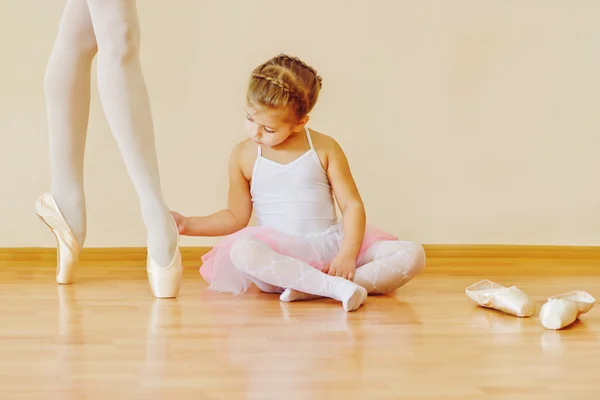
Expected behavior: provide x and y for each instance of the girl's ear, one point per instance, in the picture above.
(301, 123)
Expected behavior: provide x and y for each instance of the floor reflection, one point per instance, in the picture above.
(308, 345)
(65, 376)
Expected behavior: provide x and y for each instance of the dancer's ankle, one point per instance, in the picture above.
(72, 206)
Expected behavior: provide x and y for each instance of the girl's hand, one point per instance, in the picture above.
(182, 223)
(342, 265)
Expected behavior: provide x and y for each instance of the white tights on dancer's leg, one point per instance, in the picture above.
(255, 258)
(126, 104)
(385, 267)
(67, 87)
(124, 98)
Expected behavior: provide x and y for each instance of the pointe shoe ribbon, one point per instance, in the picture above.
(562, 310)
(165, 282)
(510, 300)
(68, 250)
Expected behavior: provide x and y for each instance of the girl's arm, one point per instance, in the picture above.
(349, 201)
(230, 220)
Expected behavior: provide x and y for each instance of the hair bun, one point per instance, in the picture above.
(285, 82)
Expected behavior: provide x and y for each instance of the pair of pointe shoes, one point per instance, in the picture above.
(165, 282)
(558, 312)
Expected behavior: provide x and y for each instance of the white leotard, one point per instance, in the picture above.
(295, 198)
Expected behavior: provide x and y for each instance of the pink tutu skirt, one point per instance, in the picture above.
(315, 249)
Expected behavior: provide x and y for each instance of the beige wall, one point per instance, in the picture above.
(464, 121)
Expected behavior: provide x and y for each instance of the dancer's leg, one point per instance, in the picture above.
(125, 102)
(67, 87)
(386, 266)
(255, 258)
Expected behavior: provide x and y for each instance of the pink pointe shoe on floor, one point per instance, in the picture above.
(165, 282)
(68, 250)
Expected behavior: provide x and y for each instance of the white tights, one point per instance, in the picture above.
(110, 29)
(385, 267)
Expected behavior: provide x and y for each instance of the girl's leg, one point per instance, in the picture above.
(265, 287)
(125, 102)
(67, 88)
(385, 267)
(388, 265)
(257, 259)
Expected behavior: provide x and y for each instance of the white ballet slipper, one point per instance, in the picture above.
(510, 300)
(584, 301)
(562, 310)
(165, 282)
(68, 249)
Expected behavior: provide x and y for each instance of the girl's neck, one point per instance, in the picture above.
(293, 147)
(296, 141)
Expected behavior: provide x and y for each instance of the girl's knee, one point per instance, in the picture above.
(418, 259)
(245, 252)
(238, 252)
(414, 253)
(411, 261)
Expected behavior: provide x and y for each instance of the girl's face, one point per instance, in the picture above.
(270, 127)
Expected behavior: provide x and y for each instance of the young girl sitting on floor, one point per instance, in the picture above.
(290, 174)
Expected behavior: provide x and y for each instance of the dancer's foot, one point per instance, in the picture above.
(165, 281)
(163, 236)
(68, 249)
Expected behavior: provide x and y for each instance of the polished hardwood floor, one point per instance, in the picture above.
(106, 337)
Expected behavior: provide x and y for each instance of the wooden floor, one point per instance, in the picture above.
(106, 337)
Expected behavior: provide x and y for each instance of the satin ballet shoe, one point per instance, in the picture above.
(165, 282)
(67, 248)
(510, 300)
(562, 310)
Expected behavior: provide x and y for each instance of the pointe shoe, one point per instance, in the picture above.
(67, 248)
(165, 282)
(510, 300)
(562, 310)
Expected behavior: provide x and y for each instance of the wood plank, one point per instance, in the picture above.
(106, 337)
(100, 257)
(107, 256)
(513, 251)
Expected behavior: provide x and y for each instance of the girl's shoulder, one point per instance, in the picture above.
(321, 140)
(244, 155)
(325, 146)
(245, 148)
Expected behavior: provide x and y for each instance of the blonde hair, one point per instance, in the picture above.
(285, 82)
